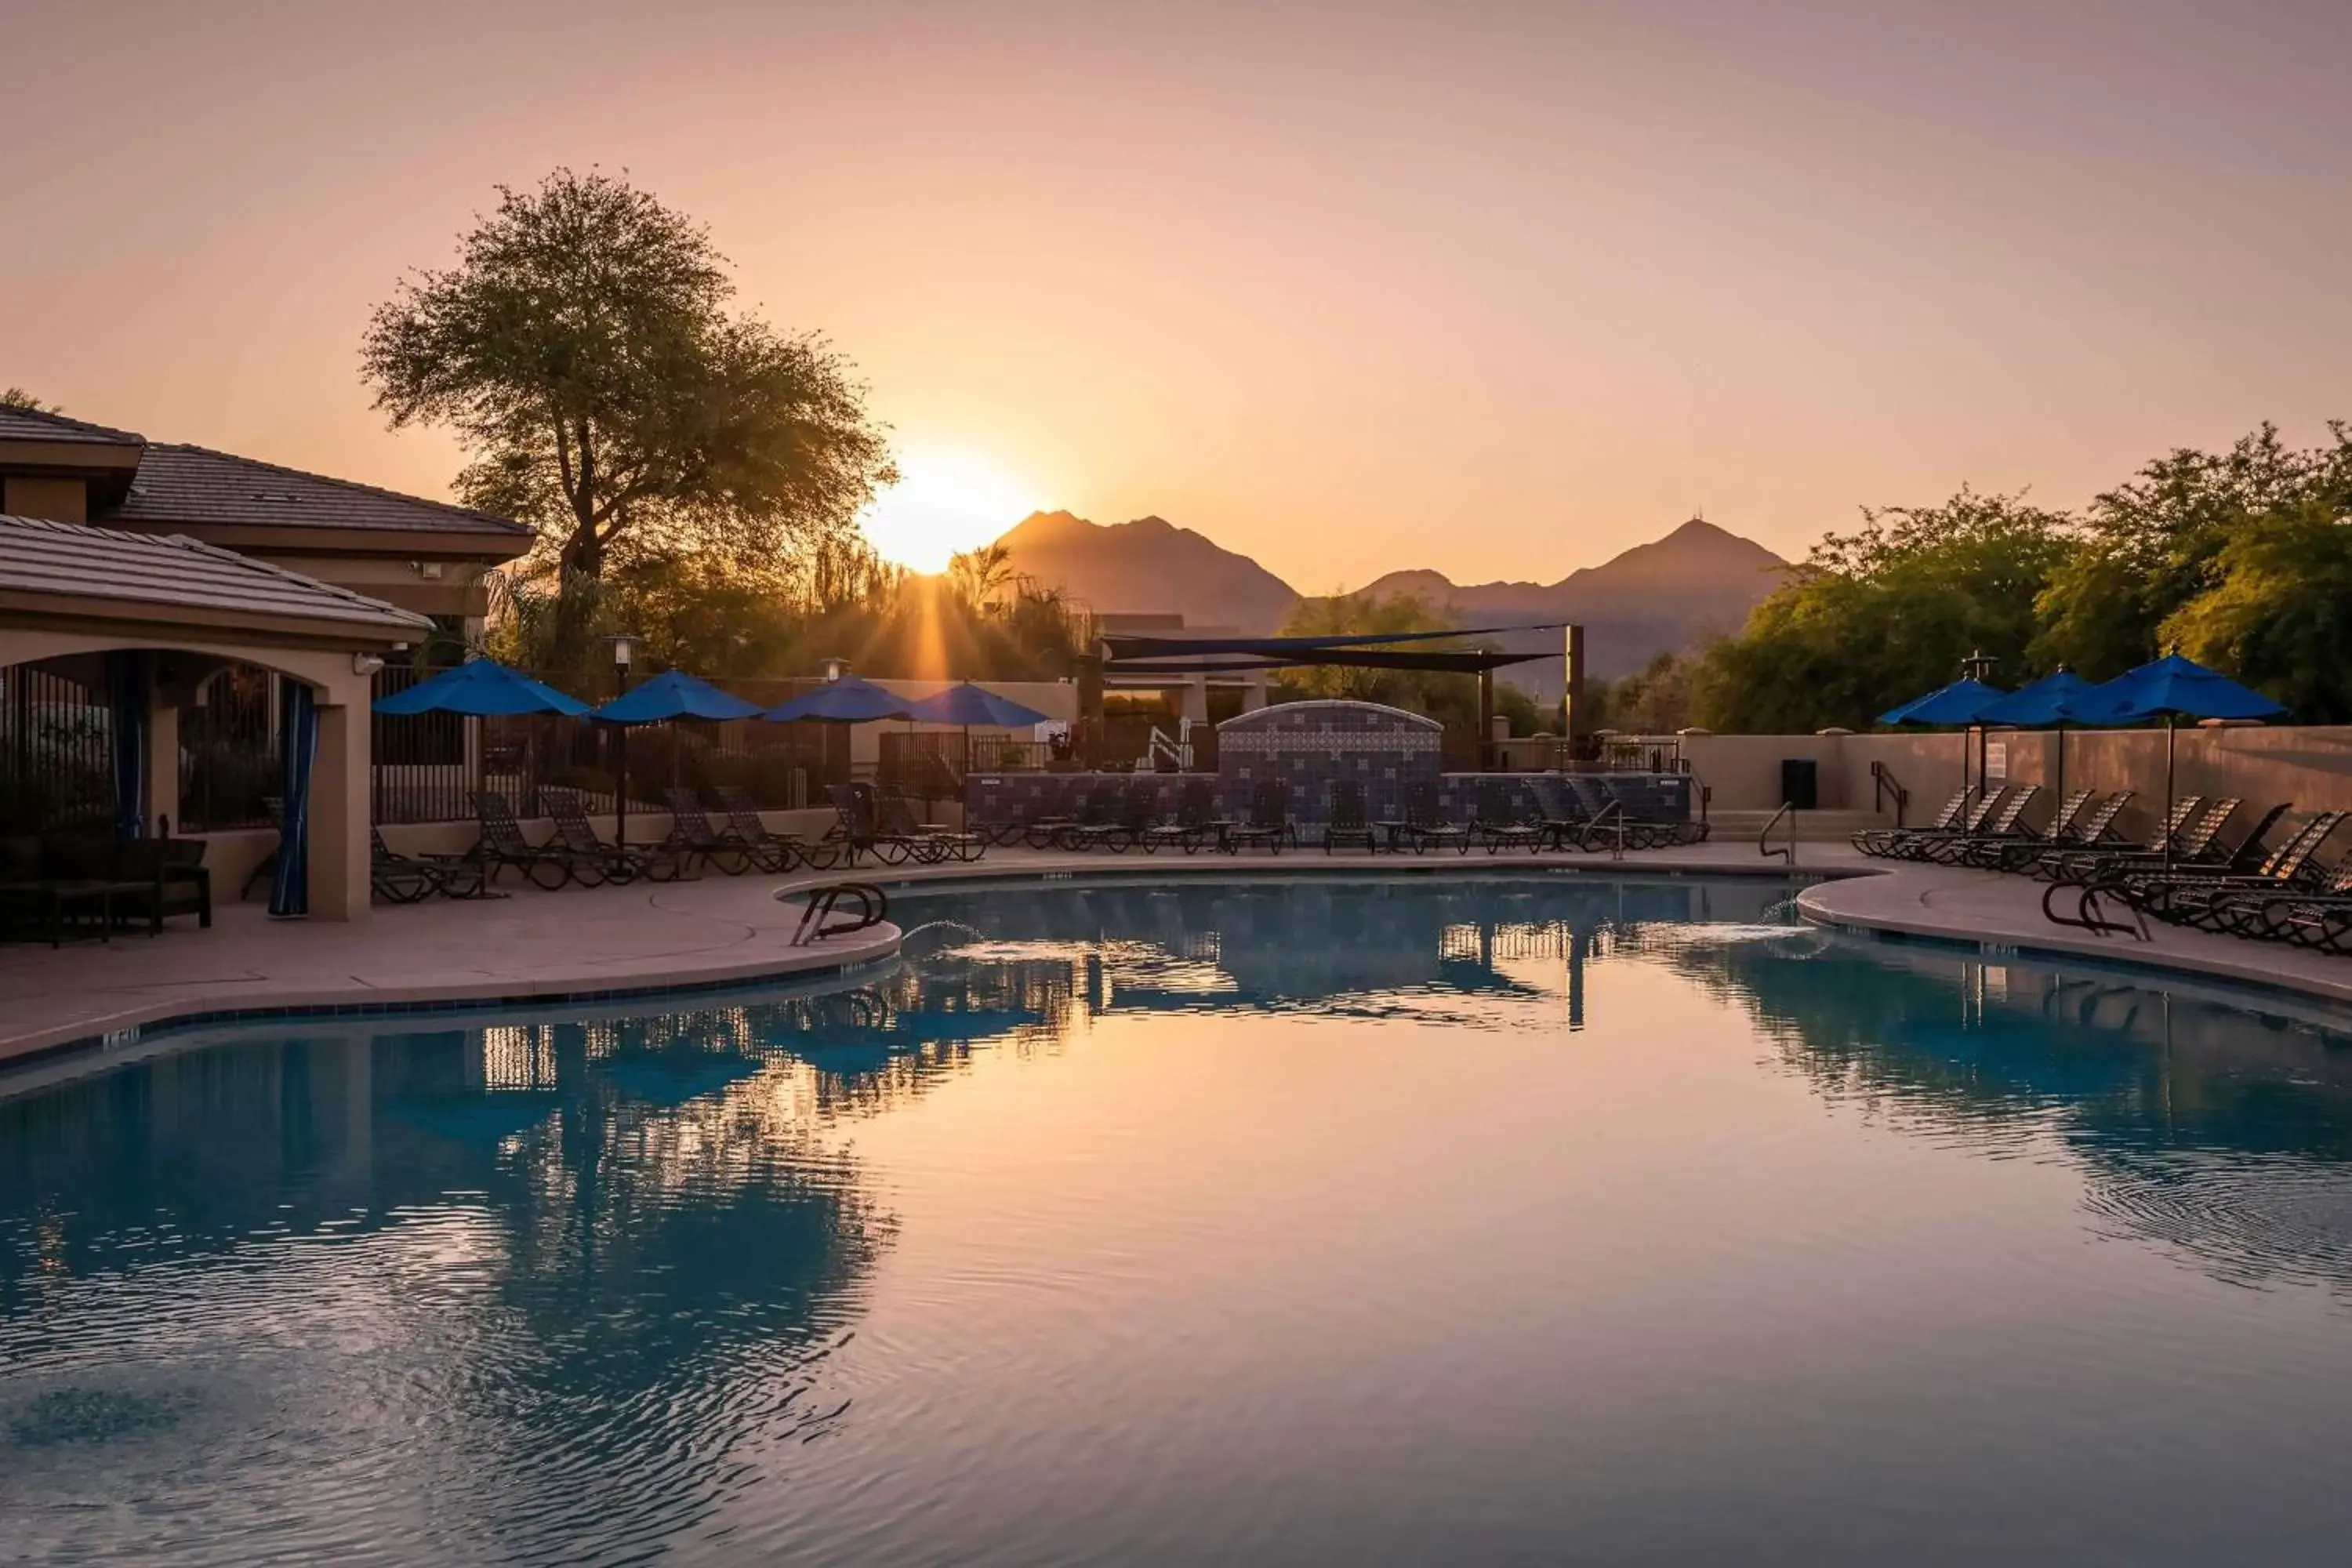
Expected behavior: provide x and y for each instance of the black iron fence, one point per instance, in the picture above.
(429, 766)
(228, 750)
(56, 755)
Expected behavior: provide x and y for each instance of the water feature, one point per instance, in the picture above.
(1543, 1219)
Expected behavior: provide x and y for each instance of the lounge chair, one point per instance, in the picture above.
(1199, 821)
(1269, 821)
(1101, 822)
(2240, 902)
(1498, 825)
(770, 850)
(693, 836)
(501, 844)
(398, 878)
(2056, 834)
(1878, 842)
(1347, 821)
(1925, 844)
(895, 817)
(615, 862)
(2078, 867)
(1424, 822)
(2003, 827)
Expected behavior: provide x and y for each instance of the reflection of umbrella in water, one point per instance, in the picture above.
(673, 1077)
(481, 1118)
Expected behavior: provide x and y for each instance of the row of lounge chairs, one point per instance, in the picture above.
(1106, 813)
(2204, 867)
(869, 824)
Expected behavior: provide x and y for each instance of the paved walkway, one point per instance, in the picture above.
(2005, 912)
(715, 930)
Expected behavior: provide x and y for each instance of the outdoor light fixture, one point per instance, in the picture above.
(625, 649)
(835, 667)
(366, 663)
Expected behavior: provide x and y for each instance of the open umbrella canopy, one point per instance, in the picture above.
(674, 694)
(848, 700)
(1961, 702)
(2061, 698)
(2174, 686)
(484, 689)
(970, 704)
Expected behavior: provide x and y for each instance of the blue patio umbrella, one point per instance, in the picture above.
(2059, 698)
(674, 694)
(967, 705)
(1961, 702)
(848, 700)
(483, 689)
(2173, 687)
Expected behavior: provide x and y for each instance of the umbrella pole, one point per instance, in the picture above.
(2171, 730)
(2062, 760)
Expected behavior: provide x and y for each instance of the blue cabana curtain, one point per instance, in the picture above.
(130, 685)
(298, 738)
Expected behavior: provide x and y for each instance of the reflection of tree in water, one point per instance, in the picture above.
(2218, 1131)
(658, 1251)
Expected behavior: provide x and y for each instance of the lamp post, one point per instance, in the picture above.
(624, 652)
(1978, 666)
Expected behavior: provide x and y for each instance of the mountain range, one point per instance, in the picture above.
(1654, 598)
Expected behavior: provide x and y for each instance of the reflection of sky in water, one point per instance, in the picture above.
(1314, 1222)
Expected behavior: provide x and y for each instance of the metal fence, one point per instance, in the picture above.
(228, 750)
(56, 755)
(429, 766)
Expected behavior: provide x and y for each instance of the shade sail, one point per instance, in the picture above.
(2177, 688)
(674, 694)
(1124, 646)
(2061, 698)
(848, 700)
(484, 689)
(1961, 702)
(969, 704)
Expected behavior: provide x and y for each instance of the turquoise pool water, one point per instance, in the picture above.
(1490, 1221)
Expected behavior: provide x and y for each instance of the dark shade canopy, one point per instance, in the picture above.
(2177, 688)
(848, 700)
(674, 694)
(1125, 646)
(484, 689)
(968, 704)
(2060, 697)
(1961, 702)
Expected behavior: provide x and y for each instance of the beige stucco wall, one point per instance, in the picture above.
(2309, 765)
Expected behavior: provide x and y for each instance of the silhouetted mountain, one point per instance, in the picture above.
(1149, 566)
(1658, 597)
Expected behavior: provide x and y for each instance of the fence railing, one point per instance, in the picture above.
(55, 755)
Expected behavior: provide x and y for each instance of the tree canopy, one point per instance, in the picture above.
(584, 350)
(2243, 559)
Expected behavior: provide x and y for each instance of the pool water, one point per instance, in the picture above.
(1542, 1220)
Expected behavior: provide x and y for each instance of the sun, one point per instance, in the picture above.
(947, 498)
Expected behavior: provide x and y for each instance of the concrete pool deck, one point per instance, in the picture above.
(719, 930)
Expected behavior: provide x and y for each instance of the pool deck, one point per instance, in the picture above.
(718, 930)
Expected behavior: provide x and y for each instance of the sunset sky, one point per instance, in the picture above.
(1497, 289)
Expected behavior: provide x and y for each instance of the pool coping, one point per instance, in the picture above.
(1892, 904)
(135, 1021)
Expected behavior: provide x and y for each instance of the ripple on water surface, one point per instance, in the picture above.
(1616, 1221)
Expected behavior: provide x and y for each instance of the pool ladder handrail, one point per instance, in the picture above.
(816, 920)
(1788, 852)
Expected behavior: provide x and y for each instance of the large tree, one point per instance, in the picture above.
(584, 351)
(1879, 616)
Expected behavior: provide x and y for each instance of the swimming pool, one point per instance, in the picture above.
(1497, 1219)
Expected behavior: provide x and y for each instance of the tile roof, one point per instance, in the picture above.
(36, 425)
(197, 485)
(71, 560)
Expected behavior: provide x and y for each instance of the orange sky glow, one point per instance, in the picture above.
(1499, 289)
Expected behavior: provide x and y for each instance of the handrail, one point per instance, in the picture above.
(816, 922)
(1789, 852)
(1883, 783)
(1615, 812)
